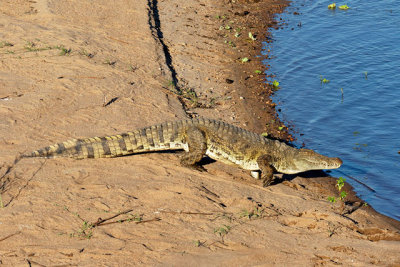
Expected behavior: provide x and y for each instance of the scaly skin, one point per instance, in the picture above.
(199, 137)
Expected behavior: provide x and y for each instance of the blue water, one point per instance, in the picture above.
(356, 116)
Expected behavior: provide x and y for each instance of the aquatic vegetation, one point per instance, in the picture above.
(323, 80)
(342, 7)
(360, 147)
(275, 84)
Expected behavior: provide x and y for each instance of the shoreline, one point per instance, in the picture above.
(285, 134)
(74, 69)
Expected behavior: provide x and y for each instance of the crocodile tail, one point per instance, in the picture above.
(167, 136)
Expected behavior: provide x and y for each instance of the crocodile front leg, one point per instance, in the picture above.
(267, 171)
(197, 144)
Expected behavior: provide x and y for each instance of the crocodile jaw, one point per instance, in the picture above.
(302, 160)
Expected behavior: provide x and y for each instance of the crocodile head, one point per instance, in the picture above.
(301, 160)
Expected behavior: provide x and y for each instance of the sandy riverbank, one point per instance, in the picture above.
(73, 69)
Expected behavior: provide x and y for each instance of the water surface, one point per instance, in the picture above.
(356, 115)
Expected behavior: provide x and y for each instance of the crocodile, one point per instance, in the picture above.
(199, 137)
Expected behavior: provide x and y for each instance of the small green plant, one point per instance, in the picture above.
(185, 92)
(198, 243)
(63, 51)
(135, 218)
(171, 86)
(257, 212)
(32, 47)
(332, 199)
(5, 44)
(222, 230)
(340, 183)
(245, 59)
(245, 213)
(251, 36)
(257, 71)
(212, 102)
(342, 194)
(110, 62)
(237, 35)
(86, 231)
(230, 43)
(83, 52)
(29, 46)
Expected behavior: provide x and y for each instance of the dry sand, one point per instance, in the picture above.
(73, 69)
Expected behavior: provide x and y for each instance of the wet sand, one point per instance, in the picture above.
(72, 69)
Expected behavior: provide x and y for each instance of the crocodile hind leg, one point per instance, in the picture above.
(197, 144)
(264, 163)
